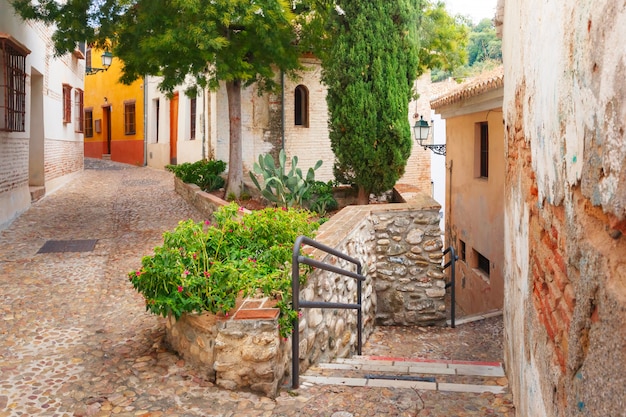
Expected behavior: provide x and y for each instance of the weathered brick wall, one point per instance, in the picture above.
(13, 163)
(62, 158)
(565, 298)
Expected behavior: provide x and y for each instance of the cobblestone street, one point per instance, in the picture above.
(75, 339)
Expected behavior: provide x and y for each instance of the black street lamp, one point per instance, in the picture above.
(421, 130)
(107, 58)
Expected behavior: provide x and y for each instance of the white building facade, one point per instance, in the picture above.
(41, 115)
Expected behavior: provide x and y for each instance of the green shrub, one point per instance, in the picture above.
(320, 197)
(204, 173)
(281, 187)
(205, 267)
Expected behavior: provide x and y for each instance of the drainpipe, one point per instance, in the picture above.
(282, 107)
(145, 122)
(204, 112)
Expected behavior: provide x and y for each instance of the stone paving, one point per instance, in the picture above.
(75, 339)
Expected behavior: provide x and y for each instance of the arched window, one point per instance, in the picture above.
(301, 106)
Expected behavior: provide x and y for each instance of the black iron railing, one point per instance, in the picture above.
(451, 263)
(297, 304)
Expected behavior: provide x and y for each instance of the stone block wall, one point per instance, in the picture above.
(410, 285)
(399, 247)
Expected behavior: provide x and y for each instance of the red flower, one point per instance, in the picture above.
(180, 288)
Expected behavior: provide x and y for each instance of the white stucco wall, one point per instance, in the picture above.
(49, 151)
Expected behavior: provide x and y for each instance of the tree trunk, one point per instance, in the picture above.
(363, 197)
(234, 184)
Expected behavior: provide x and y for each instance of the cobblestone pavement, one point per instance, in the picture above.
(75, 339)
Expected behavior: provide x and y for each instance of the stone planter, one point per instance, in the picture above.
(240, 351)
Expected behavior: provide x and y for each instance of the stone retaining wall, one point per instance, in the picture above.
(399, 246)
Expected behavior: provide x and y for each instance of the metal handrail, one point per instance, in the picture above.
(298, 259)
(451, 284)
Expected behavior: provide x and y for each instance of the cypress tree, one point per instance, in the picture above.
(369, 69)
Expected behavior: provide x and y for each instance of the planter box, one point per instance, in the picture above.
(240, 351)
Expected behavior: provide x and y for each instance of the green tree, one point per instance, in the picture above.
(239, 42)
(443, 38)
(369, 68)
(484, 43)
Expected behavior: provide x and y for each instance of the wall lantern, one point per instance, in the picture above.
(421, 129)
(107, 59)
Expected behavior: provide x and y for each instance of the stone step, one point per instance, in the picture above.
(425, 374)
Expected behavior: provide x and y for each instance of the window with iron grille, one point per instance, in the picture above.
(89, 123)
(192, 120)
(484, 150)
(129, 118)
(79, 125)
(12, 84)
(67, 103)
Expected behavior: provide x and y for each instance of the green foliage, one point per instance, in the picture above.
(484, 43)
(484, 51)
(444, 39)
(204, 173)
(369, 69)
(203, 267)
(281, 187)
(320, 198)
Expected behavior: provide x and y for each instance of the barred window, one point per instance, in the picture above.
(12, 84)
(89, 123)
(80, 115)
(67, 103)
(129, 118)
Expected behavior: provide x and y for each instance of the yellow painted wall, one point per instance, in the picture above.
(103, 89)
(475, 209)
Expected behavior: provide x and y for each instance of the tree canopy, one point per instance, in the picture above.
(483, 49)
(240, 42)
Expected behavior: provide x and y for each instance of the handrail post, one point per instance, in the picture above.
(452, 283)
(359, 314)
(295, 304)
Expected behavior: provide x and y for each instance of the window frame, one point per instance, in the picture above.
(130, 118)
(67, 103)
(79, 97)
(483, 143)
(12, 84)
(88, 122)
(301, 106)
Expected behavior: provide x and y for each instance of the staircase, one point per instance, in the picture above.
(421, 374)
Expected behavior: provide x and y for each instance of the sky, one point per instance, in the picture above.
(475, 9)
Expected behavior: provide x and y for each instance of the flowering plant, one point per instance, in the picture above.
(205, 266)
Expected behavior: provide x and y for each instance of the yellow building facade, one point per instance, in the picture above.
(114, 112)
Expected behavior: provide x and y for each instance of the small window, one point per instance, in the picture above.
(301, 106)
(88, 60)
(482, 150)
(462, 255)
(192, 118)
(129, 118)
(482, 263)
(88, 123)
(12, 84)
(78, 111)
(67, 103)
